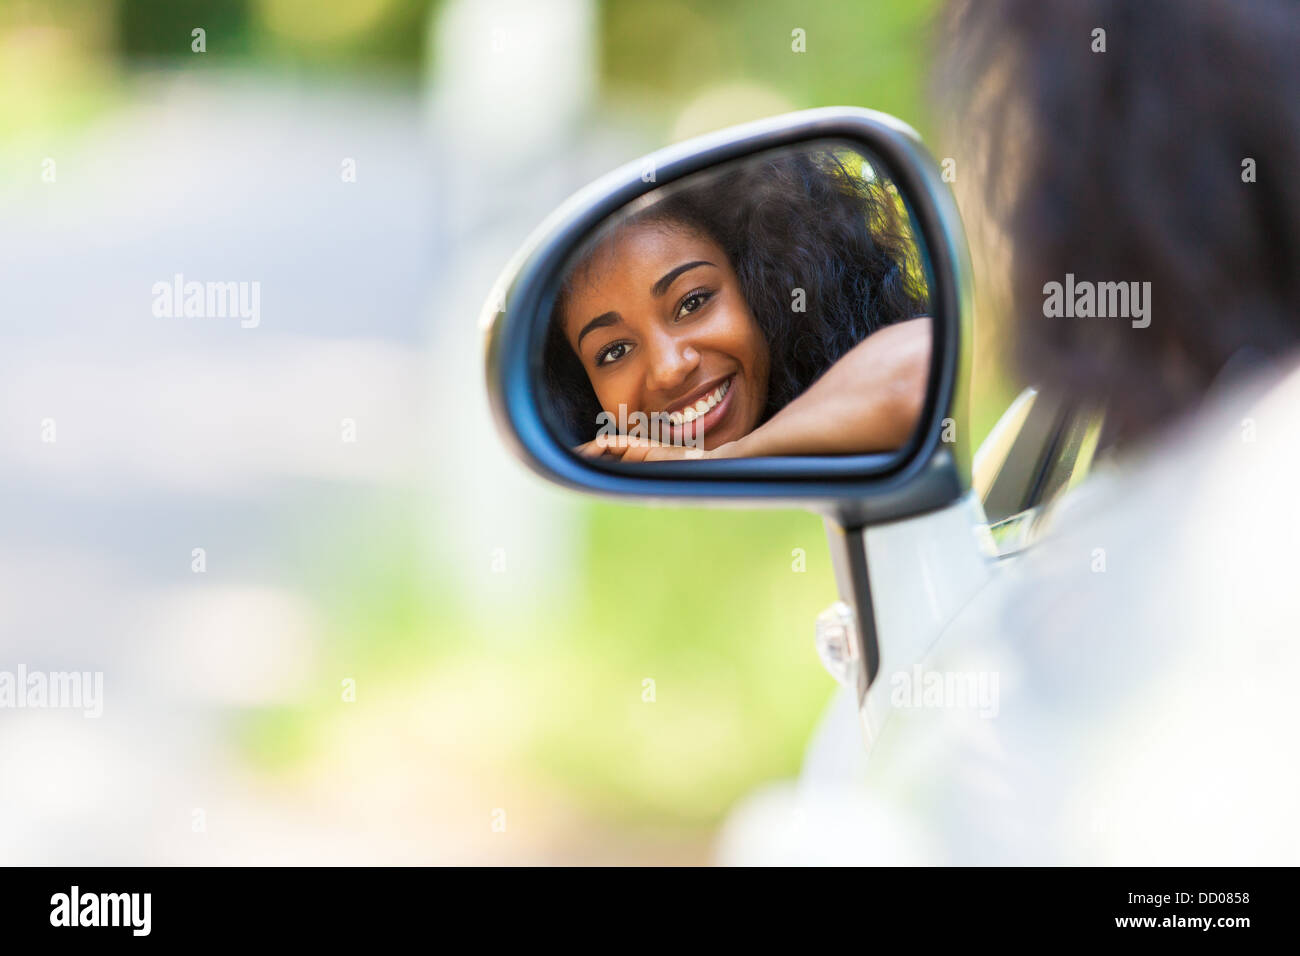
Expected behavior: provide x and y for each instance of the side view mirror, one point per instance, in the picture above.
(778, 313)
(655, 336)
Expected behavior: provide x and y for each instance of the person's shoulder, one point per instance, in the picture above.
(1218, 489)
(1142, 656)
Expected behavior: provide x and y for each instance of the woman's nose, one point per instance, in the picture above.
(672, 360)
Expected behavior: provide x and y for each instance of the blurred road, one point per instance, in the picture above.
(128, 440)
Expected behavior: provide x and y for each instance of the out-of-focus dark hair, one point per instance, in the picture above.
(787, 221)
(1127, 165)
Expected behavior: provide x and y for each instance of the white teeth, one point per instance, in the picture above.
(702, 407)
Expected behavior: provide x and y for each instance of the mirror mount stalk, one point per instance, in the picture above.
(849, 558)
(900, 583)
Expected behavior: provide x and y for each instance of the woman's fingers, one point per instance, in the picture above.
(628, 448)
(592, 449)
(621, 444)
(656, 452)
(608, 446)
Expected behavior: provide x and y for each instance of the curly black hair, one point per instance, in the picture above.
(1154, 141)
(787, 221)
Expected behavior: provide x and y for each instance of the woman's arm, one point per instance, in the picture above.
(868, 401)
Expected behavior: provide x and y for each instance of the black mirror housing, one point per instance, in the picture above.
(930, 471)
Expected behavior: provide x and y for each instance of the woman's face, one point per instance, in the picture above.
(659, 323)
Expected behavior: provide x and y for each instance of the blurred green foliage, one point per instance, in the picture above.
(716, 607)
(153, 29)
(374, 35)
(713, 608)
(862, 54)
(706, 604)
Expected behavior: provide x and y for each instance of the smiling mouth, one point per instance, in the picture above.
(703, 414)
(700, 407)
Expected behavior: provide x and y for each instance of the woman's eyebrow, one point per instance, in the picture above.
(660, 287)
(599, 322)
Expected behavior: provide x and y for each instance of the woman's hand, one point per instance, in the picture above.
(626, 448)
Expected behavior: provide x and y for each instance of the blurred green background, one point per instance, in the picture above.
(535, 700)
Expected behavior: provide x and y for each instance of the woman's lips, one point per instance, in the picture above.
(709, 420)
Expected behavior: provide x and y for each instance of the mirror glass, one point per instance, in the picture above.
(775, 305)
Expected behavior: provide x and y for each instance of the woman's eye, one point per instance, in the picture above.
(612, 353)
(693, 302)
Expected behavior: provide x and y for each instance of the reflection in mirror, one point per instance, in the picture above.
(776, 305)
